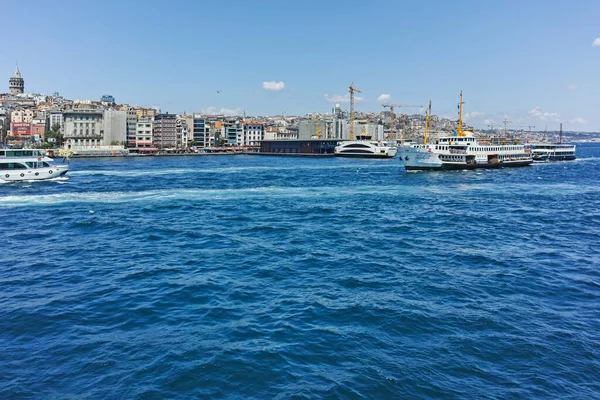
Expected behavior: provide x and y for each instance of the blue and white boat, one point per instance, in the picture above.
(28, 164)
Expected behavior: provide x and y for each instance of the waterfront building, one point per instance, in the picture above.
(143, 133)
(165, 130)
(182, 133)
(82, 128)
(188, 119)
(233, 132)
(254, 133)
(16, 83)
(130, 126)
(311, 146)
(115, 127)
(55, 118)
(273, 133)
(200, 131)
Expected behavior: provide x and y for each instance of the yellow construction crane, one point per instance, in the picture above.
(352, 89)
(427, 116)
(393, 116)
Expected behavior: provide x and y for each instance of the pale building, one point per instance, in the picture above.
(131, 126)
(21, 115)
(143, 132)
(182, 133)
(254, 133)
(141, 112)
(83, 128)
(115, 127)
(54, 118)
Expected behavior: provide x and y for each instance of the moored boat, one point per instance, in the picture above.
(366, 148)
(464, 151)
(25, 164)
(552, 151)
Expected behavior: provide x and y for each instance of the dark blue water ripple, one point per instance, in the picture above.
(250, 277)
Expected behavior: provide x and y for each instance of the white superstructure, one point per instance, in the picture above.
(366, 149)
(24, 164)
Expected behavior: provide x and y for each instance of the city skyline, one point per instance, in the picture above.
(533, 64)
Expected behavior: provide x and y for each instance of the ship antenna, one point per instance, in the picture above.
(560, 134)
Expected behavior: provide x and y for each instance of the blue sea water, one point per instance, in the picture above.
(271, 277)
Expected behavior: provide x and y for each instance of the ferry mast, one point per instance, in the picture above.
(427, 116)
(459, 131)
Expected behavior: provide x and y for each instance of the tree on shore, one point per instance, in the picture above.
(55, 133)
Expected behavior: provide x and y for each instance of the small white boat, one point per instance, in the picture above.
(552, 151)
(365, 148)
(27, 164)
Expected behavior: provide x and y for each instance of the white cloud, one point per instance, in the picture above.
(542, 115)
(572, 86)
(229, 112)
(578, 121)
(473, 114)
(384, 97)
(337, 98)
(273, 86)
(596, 42)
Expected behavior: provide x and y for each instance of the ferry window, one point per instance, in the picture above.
(1, 153)
(45, 164)
(16, 166)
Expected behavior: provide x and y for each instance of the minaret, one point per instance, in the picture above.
(16, 84)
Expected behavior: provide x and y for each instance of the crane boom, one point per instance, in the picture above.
(393, 116)
(352, 89)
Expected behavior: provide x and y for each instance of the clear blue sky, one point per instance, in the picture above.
(529, 61)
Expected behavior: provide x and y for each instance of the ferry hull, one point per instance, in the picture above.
(350, 155)
(561, 158)
(38, 174)
(459, 166)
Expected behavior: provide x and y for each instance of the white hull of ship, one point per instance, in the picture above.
(34, 174)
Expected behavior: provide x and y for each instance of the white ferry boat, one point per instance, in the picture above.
(552, 151)
(464, 151)
(26, 164)
(366, 148)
